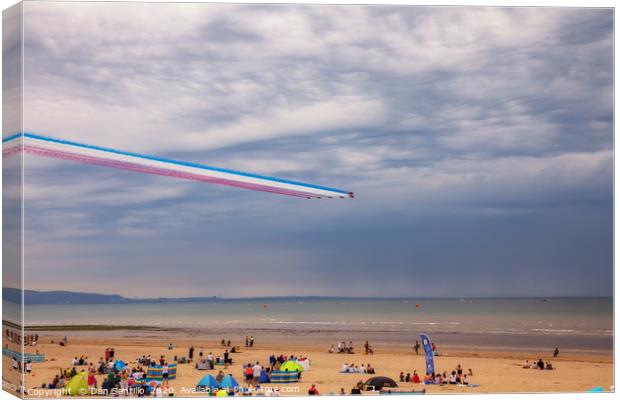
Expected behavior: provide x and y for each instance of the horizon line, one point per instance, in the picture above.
(216, 297)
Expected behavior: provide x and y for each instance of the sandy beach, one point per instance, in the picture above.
(494, 371)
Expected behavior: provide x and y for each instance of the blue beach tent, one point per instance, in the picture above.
(207, 382)
(229, 382)
(264, 377)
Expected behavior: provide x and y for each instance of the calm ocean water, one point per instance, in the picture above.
(574, 322)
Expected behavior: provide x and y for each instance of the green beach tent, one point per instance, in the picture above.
(78, 385)
(291, 365)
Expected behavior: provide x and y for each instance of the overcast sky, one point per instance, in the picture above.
(478, 142)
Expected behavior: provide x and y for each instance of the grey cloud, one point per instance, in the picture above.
(473, 119)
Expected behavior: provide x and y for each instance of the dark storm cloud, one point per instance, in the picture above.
(478, 142)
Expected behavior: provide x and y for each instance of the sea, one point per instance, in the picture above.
(582, 324)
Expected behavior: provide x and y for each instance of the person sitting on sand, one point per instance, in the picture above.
(402, 376)
(416, 377)
(465, 380)
(548, 365)
(345, 368)
(453, 378)
(470, 372)
(527, 364)
(332, 349)
(313, 391)
(540, 364)
(370, 369)
(427, 379)
(219, 377)
(342, 392)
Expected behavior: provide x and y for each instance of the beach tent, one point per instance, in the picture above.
(207, 382)
(119, 365)
(305, 363)
(264, 377)
(284, 377)
(291, 365)
(380, 382)
(229, 382)
(78, 385)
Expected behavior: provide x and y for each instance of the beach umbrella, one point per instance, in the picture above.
(291, 365)
(208, 381)
(229, 382)
(78, 385)
(379, 382)
(119, 365)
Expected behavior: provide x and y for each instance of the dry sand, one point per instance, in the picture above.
(494, 371)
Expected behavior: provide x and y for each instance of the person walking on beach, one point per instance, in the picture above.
(191, 353)
(556, 352)
(247, 341)
(416, 347)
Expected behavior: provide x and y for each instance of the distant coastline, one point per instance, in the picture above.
(60, 297)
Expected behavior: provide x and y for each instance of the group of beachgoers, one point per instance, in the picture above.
(456, 377)
(354, 369)
(117, 377)
(210, 360)
(249, 341)
(17, 365)
(342, 347)
(540, 365)
(16, 337)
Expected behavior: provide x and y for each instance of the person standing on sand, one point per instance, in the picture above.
(191, 353)
(247, 342)
(556, 352)
(416, 347)
(256, 370)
